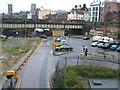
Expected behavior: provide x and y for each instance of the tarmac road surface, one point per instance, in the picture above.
(35, 73)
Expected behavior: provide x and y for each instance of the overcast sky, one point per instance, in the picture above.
(25, 5)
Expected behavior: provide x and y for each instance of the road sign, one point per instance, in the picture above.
(57, 42)
(10, 74)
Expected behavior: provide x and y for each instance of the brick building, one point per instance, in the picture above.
(109, 11)
(62, 16)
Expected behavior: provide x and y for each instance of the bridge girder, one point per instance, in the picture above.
(50, 26)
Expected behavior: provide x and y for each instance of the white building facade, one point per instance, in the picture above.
(95, 11)
(86, 16)
(75, 14)
(43, 12)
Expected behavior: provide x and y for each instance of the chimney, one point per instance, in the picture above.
(84, 5)
(80, 6)
(76, 6)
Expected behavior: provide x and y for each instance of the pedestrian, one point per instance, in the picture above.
(86, 51)
(83, 48)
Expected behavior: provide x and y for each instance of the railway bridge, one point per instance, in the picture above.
(72, 28)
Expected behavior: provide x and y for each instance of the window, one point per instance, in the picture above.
(93, 8)
(96, 14)
(95, 18)
(96, 8)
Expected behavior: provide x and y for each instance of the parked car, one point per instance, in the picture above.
(3, 36)
(43, 36)
(95, 38)
(118, 49)
(100, 45)
(107, 45)
(64, 42)
(61, 37)
(86, 38)
(94, 44)
(114, 47)
(63, 48)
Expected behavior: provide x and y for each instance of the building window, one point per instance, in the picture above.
(95, 18)
(96, 13)
(93, 8)
(96, 8)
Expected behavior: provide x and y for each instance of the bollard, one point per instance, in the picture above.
(77, 60)
(65, 61)
(104, 56)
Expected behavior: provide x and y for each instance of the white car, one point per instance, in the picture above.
(100, 45)
(96, 38)
(3, 36)
(94, 44)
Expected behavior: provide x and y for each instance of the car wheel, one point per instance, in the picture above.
(63, 50)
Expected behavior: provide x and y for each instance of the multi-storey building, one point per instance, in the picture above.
(58, 16)
(76, 14)
(104, 11)
(95, 11)
(79, 13)
(10, 9)
(33, 7)
(86, 16)
(109, 10)
(42, 13)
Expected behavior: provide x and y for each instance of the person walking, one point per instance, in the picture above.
(86, 51)
(83, 48)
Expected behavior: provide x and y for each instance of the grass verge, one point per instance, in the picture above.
(75, 76)
(14, 49)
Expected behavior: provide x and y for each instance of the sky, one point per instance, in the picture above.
(25, 5)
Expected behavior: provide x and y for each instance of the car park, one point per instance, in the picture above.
(94, 44)
(63, 48)
(114, 47)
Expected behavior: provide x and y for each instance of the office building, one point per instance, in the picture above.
(10, 9)
(95, 11)
(33, 7)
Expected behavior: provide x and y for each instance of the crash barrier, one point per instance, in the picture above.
(76, 60)
(13, 81)
(102, 55)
